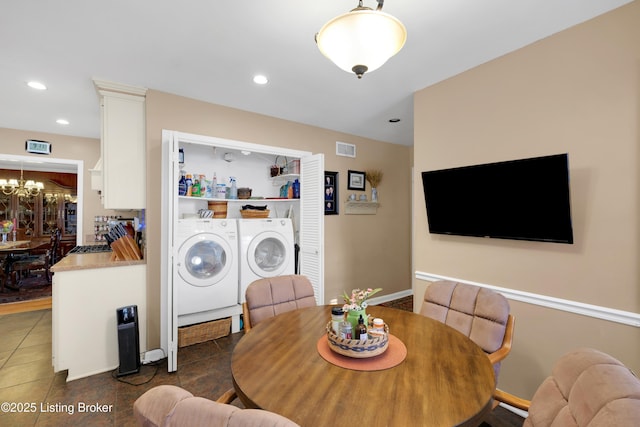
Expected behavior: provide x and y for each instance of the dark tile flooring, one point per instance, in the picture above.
(38, 397)
(42, 398)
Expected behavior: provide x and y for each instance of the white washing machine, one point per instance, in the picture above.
(266, 249)
(206, 273)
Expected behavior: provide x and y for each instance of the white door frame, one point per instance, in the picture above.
(50, 164)
(169, 202)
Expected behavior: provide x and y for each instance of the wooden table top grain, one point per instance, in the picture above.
(445, 380)
(17, 246)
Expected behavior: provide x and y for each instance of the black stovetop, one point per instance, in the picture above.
(90, 249)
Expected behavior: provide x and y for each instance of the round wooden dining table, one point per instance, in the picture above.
(444, 380)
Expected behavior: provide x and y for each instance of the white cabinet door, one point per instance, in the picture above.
(123, 145)
(312, 223)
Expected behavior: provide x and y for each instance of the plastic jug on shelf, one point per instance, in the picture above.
(233, 194)
(182, 186)
(296, 189)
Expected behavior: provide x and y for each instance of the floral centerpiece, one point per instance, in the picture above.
(356, 304)
(6, 227)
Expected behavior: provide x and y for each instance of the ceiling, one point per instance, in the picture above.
(210, 50)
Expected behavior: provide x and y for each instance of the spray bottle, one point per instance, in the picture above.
(233, 194)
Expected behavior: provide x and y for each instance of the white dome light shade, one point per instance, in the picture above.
(36, 85)
(361, 40)
(260, 79)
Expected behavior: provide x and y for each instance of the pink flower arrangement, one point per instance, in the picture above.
(358, 299)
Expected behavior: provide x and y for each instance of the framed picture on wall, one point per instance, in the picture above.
(356, 180)
(330, 193)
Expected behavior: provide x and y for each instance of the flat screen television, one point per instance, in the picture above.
(527, 199)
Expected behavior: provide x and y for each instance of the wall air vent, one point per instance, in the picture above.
(345, 150)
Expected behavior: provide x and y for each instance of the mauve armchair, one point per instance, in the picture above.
(479, 313)
(168, 405)
(271, 296)
(586, 388)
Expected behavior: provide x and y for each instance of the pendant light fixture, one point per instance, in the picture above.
(361, 40)
(21, 188)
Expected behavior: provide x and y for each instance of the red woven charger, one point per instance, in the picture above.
(393, 356)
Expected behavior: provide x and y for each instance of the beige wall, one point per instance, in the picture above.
(360, 250)
(576, 92)
(63, 147)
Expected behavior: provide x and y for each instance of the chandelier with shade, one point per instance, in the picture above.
(21, 188)
(361, 40)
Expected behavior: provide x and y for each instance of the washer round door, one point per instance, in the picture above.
(268, 255)
(204, 259)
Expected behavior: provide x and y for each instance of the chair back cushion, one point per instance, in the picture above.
(587, 387)
(479, 313)
(271, 296)
(168, 405)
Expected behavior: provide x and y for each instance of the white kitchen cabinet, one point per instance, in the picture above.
(122, 146)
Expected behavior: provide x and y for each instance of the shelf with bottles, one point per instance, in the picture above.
(244, 201)
(101, 226)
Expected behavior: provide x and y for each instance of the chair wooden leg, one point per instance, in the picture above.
(12, 280)
(228, 396)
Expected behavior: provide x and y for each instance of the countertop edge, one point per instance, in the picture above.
(91, 261)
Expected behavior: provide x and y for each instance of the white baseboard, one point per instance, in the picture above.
(391, 297)
(596, 311)
(518, 412)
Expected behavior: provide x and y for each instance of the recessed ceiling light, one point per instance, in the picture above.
(394, 120)
(62, 121)
(37, 85)
(260, 79)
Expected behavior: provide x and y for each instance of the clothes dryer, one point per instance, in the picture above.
(206, 265)
(266, 250)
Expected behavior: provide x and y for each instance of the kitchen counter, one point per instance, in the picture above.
(86, 293)
(91, 261)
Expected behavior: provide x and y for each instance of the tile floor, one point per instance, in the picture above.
(27, 378)
(28, 383)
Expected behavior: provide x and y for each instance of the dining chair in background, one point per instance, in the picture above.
(271, 296)
(479, 313)
(36, 266)
(586, 388)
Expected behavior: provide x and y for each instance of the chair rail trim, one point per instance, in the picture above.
(599, 312)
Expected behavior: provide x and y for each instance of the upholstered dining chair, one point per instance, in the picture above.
(271, 296)
(586, 388)
(479, 313)
(39, 260)
(169, 405)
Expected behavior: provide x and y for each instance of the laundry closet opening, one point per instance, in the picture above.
(235, 212)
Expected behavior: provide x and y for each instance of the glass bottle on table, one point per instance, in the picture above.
(337, 317)
(360, 332)
(346, 331)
